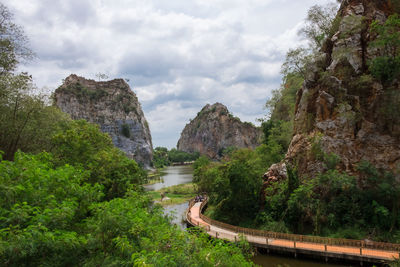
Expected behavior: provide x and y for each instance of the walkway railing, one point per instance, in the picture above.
(188, 212)
(294, 237)
(189, 217)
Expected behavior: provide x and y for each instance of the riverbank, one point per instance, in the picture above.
(155, 176)
(174, 195)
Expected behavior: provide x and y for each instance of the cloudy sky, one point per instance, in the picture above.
(178, 54)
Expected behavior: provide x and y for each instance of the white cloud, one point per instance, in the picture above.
(179, 55)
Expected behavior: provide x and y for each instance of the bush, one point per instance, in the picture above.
(385, 68)
(39, 208)
(233, 185)
(82, 144)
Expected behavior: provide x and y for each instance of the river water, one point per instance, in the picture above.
(175, 175)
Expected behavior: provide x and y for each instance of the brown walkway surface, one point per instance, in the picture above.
(232, 236)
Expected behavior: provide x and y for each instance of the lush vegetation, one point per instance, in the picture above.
(82, 144)
(52, 216)
(68, 197)
(176, 194)
(234, 183)
(163, 157)
(336, 204)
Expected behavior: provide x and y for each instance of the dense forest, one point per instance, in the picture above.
(68, 197)
(163, 157)
(332, 203)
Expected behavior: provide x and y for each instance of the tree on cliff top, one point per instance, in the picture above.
(318, 24)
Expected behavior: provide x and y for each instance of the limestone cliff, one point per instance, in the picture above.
(215, 129)
(341, 108)
(114, 107)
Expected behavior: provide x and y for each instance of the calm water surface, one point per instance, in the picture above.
(178, 212)
(175, 175)
(280, 261)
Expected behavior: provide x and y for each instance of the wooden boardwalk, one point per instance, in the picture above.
(363, 253)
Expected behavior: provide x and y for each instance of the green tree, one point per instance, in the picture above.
(320, 24)
(296, 62)
(386, 67)
(13, 42)
(234, 184)
(27, 122)
(80, 143)
(177, 156)
(160, 157)
(40, 210)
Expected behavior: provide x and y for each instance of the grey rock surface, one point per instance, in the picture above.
(215, 129)
(114, 107)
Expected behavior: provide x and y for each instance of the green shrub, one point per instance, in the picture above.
(233, 185)
(81, 143)
(386, 67)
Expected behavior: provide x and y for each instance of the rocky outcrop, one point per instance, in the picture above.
(341, 108)
(215, 129)
(114, 107)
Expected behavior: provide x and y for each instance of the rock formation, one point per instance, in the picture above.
(114, 107)
(215, 129)
(341, 108)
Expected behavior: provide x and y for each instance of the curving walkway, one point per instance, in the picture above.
(328, 251)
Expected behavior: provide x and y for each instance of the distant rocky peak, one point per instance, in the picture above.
(214, 130)
(114, 107)
(214, 107)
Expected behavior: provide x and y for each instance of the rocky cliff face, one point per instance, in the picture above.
(114, 107)
(215, 129)
(341, 108)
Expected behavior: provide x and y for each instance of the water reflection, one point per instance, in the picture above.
(174, 175)
(280, 261)
(177, 212)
